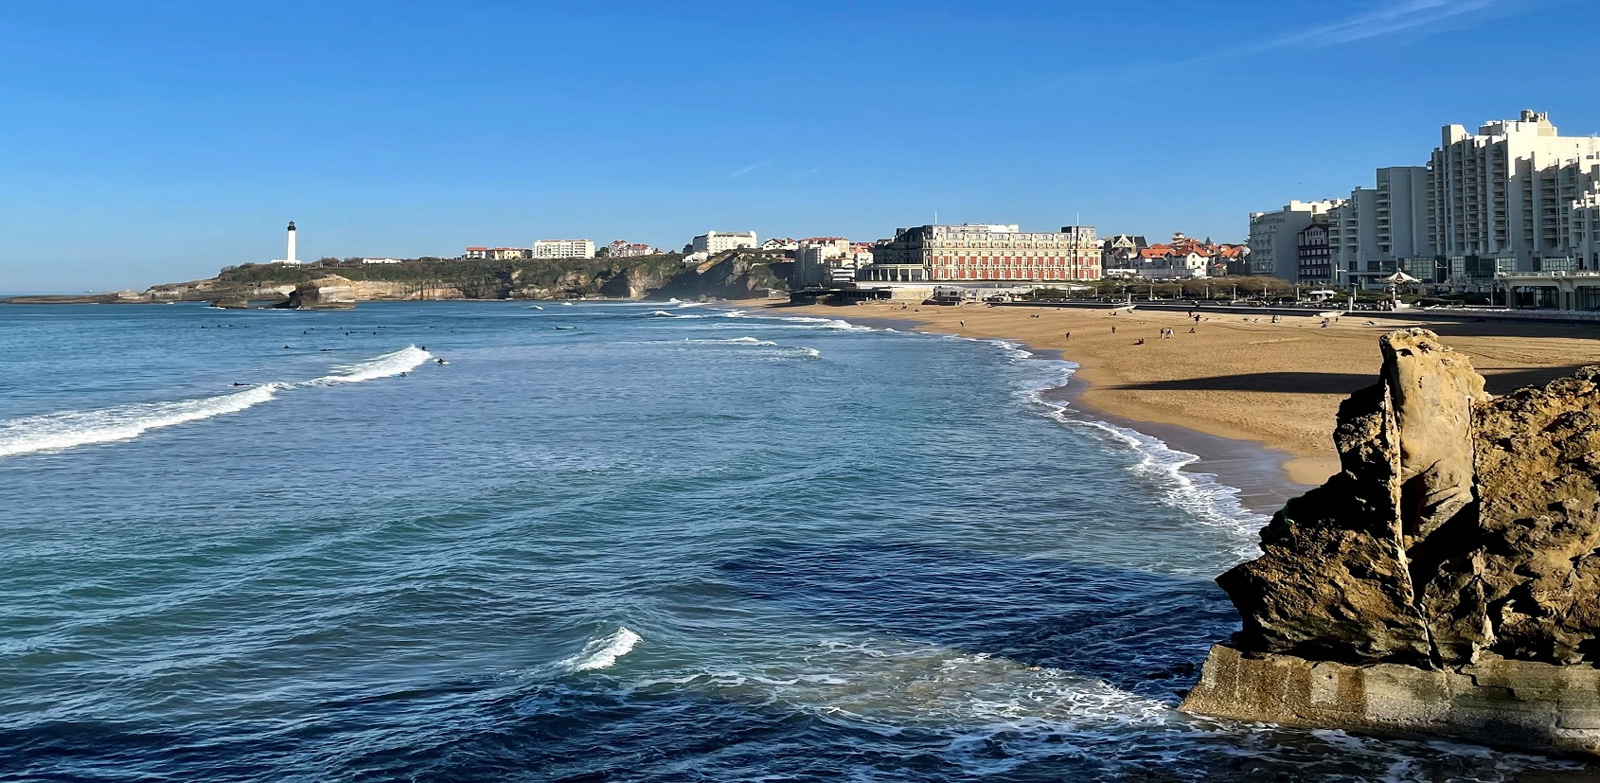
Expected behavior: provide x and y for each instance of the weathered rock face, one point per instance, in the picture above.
(324, 293)
(1538, 568)
(1461, 531)
(1346, 569)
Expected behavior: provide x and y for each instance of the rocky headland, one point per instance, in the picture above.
(1446, 582)
(735, 274)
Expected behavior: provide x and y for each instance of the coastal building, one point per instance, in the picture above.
(819, 261)
(1379, 231)
(563, 248)
(622, 248)
(1516, 193)
(1120, 252)
(714, 242)
(783, 244)
(497, 253)
(1312, 254)
(989, 252)
(289, 256)
(1184, 258)
(382, 260)
(1273, 237)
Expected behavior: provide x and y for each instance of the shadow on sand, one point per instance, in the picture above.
(1497, 381)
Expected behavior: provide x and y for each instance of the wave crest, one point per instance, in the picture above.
(602, 653)
(71, 429)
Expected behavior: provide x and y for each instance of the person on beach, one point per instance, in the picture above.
(1068, 336)
(963, 323)
(1139, 341)
(1113, 328)
(1191, 330)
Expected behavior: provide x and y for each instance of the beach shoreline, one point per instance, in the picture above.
(1254, 398)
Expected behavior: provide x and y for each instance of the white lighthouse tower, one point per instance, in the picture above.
(289, 257)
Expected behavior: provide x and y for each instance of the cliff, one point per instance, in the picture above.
(1446, 581)
(734, 275)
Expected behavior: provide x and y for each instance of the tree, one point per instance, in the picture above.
(602, 252)
(688, 247)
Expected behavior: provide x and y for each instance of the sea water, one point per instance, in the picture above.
(608, 541)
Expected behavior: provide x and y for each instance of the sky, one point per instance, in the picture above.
(159, 141)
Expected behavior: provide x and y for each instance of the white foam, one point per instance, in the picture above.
(390, 364)
(1200, 495)
(59, 431)
(70, 429)
(602, 653)
(734, 341)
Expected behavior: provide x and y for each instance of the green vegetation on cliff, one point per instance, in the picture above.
(453, 273)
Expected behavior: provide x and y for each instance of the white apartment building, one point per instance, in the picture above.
(990, 252)
(381, 261)
(714, 242)
(563, 248)
(1381, 230)
(1274, 237)
(822, 260)
(1517, 192)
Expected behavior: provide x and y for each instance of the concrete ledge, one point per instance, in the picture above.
(1532, 706)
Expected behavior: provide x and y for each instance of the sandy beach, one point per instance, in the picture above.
(1278, 385)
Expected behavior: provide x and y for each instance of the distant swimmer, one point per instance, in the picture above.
(402, 375)
(286, 347)
(236, 383)
(422, 347)
(440, 362)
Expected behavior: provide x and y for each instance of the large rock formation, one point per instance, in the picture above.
(1461, 532)
(324, 293)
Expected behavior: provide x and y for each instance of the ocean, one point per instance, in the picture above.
(604, 542)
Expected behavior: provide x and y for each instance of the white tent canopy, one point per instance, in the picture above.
(1401, 277)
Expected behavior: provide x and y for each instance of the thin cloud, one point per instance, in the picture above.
(817, 169)
(749, 168)
(1384, 21)
(1397, 18)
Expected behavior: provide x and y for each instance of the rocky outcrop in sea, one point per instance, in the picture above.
(1446, 582)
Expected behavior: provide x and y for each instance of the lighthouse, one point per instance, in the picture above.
(289, 257)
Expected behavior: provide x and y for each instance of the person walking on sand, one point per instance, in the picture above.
(1068, 336)
(963, 323)
(1113, 328)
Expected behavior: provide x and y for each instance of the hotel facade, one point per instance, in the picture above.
(987, 253)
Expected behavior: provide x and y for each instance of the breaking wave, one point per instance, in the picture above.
(71, 429)
(734, 341)
(602, 653)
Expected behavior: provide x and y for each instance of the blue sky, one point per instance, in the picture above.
(157, 141)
